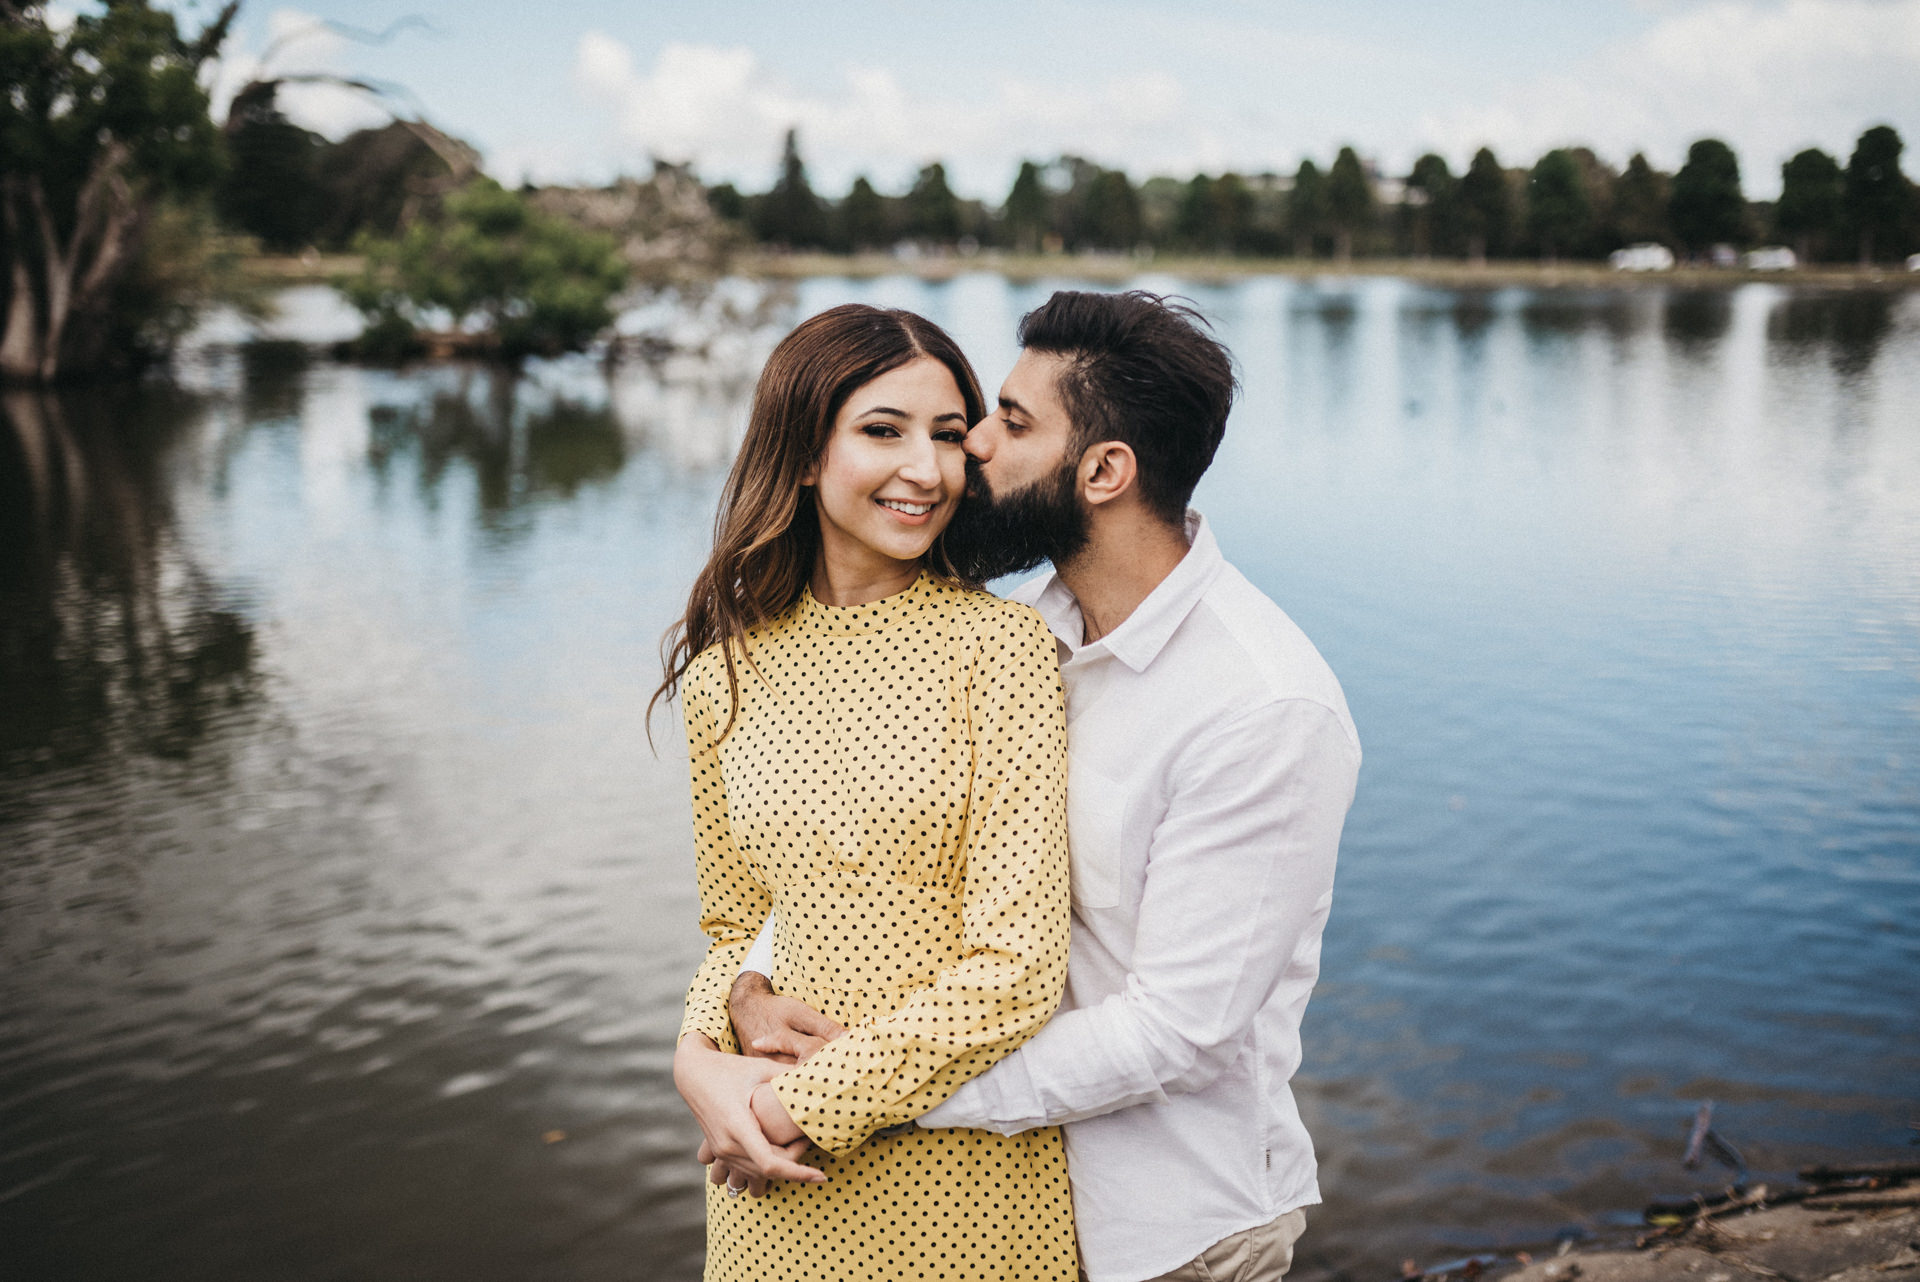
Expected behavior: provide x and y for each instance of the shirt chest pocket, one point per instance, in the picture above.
(1096, 808)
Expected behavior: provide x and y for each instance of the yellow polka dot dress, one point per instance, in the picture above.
(895, 788)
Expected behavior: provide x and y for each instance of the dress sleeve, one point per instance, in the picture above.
(1014, 906)
(733, 901)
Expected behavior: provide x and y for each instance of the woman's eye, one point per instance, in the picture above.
(881, 430)
(951, 435)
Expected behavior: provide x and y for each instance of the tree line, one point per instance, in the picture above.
(126, 201)
(1570, 203)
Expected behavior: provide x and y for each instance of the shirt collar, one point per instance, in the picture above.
(1141, 636)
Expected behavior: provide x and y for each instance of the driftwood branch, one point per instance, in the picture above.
(1862, 1171)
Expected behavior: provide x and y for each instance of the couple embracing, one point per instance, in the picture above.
(890, 767)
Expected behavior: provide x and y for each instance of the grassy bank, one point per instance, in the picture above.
(1115, 269)
(300, 269)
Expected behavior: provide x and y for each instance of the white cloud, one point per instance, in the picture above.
(725, 109)
(1768, 78)
(298, 44)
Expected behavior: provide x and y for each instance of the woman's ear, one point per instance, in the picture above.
(1108, 469)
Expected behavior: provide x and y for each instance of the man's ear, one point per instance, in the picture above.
(1108, 469)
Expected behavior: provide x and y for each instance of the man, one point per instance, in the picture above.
(1212, 763)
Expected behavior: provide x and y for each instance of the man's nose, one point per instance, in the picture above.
(981, 440)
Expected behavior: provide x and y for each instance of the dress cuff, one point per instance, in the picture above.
(714, 1025)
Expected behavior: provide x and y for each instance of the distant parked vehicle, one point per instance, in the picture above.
(1724, 256)
(1913, 262)
(1771, 258)
(1641, 258)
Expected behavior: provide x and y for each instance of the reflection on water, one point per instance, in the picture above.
(344, 914)
(114, 637)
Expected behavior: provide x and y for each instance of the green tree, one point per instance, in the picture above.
(1235, 203)
(101, 124)
(1349, 201)
(1601, 183)
(1432, 207)
(1307, 209)
(863, 216)
(790, 214)
(534, 284)
(727, 203)
(1879, 199)
(1639, 213)
(1557, 206)
(1111, 214)
(271, 189)
(1027, 214)
(931, 210)
(1813, 192)
(1197, 224)
(1486, 206)
(1706, 207)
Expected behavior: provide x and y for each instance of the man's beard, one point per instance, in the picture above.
(996, 535)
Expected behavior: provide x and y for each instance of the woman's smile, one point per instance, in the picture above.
(912, 513)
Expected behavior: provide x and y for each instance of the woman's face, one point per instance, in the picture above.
(893, 471)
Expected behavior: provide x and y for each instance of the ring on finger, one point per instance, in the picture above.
(735, 1190)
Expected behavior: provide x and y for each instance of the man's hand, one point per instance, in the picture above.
(783, 1029)
(718, 1088)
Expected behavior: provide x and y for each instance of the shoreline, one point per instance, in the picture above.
(1853, 1223)
(1113, 269)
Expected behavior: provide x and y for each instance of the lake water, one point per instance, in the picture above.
(345, 913)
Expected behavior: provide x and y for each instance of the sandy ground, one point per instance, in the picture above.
(1851, 1239)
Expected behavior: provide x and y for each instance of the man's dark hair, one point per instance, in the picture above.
(1144, 370)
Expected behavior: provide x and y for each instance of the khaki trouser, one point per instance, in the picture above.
(1260, 1254)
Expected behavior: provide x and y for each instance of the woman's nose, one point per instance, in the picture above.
(922, 465)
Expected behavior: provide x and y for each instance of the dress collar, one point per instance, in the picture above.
(855, 620)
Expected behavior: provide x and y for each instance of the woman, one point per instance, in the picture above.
(878, 756)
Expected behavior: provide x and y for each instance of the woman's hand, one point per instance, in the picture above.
(718, 1088)
(718, 1172)
(775, 1122)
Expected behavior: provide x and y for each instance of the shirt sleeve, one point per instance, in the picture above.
(1015, 912)
(760, 960)
(1239, 879)
(733, 901)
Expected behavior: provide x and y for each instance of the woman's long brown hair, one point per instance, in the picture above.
(765, 539)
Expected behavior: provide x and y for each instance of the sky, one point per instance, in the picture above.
(584, 91)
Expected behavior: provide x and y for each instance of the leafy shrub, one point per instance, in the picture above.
(496, 271)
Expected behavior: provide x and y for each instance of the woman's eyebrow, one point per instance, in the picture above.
(890, 412)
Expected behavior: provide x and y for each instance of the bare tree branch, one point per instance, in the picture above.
(208, 43)
(358, 34)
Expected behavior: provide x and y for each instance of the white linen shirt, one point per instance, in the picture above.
(1212, 761)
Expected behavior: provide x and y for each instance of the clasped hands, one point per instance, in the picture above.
(749, 1139)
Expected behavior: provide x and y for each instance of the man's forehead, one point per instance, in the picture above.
(1033, 383)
